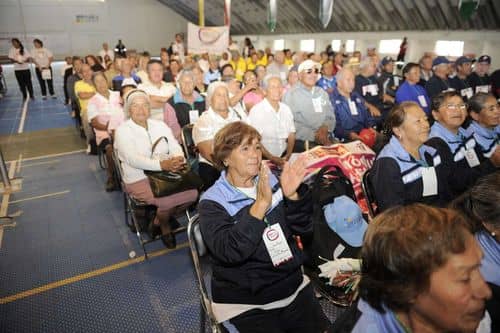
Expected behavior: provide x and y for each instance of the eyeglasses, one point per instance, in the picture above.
(462, 107)
(309, 71)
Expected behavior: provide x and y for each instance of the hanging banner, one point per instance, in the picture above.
(207, 39)
(272, 14)
(201, 13)
(325, 12)
(227, 12)
(467, 8)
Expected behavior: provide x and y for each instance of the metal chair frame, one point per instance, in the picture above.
(198, 254)
(369, 194)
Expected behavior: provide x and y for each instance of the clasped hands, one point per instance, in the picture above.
(290, 180)
(173, 164)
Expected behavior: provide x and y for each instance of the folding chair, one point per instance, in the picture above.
(369, 192)
(139, 214)
(190, 150)
(101, 155)
(187, 141)
(134, 209)
(203, 275)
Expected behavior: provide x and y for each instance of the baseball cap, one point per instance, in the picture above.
(439, 61)
(387, 60)
(462, 60)
(484, 58)
(308, 64)
(344, 217)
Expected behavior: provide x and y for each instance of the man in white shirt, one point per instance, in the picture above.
(274, 121)
(106, 52)
(159, 91)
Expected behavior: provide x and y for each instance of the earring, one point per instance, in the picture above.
(225, 163)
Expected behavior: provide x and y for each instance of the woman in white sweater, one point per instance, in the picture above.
(134, 141)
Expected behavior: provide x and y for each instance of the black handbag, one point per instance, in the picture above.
(164, 183)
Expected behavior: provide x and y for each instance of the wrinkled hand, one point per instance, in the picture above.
(264, 194)
(292, 176)
(251, 85)
(321, 136)
(278, 161)
(374, 111)
(173, 164)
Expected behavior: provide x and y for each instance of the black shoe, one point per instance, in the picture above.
(174, 224)
(169, 240)
(110, 186)
(154, 230)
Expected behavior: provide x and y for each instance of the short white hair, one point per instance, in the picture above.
(214, 86)
(267, 78)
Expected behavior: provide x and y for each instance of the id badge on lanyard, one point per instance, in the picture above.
(353, 108)
(276, 244)
(471, 157)
(193, 116)
(429, 180)
(422, 101)
(317, 105)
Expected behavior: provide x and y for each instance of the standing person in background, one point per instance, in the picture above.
(120, 49)
(247, 48)
(106, 52)
(402, 50)
(21, 57)
(178, 47)
(67, 70)
(43, 57)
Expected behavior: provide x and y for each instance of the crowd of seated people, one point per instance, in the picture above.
(435, 131)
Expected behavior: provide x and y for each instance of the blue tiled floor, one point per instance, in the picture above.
(41, 114)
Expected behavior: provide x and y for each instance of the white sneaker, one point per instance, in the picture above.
(89, 149)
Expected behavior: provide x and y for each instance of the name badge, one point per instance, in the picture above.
(467, 92)
(283, 76)
(396, 81)
(429, 179)
(317, 105)
(276, 244)
(193, 116)
(372, 89)
(484, 89)
(471, 157)
(353, 108)
(422, 101)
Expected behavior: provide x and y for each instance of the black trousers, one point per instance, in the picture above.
(23, 78)
(42, 82)
(304, 315)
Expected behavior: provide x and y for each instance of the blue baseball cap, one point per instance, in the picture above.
(439, 61)
(462, 60)
(344, 217)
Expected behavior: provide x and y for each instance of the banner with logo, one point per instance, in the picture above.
(354, 158)
(207, 39)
